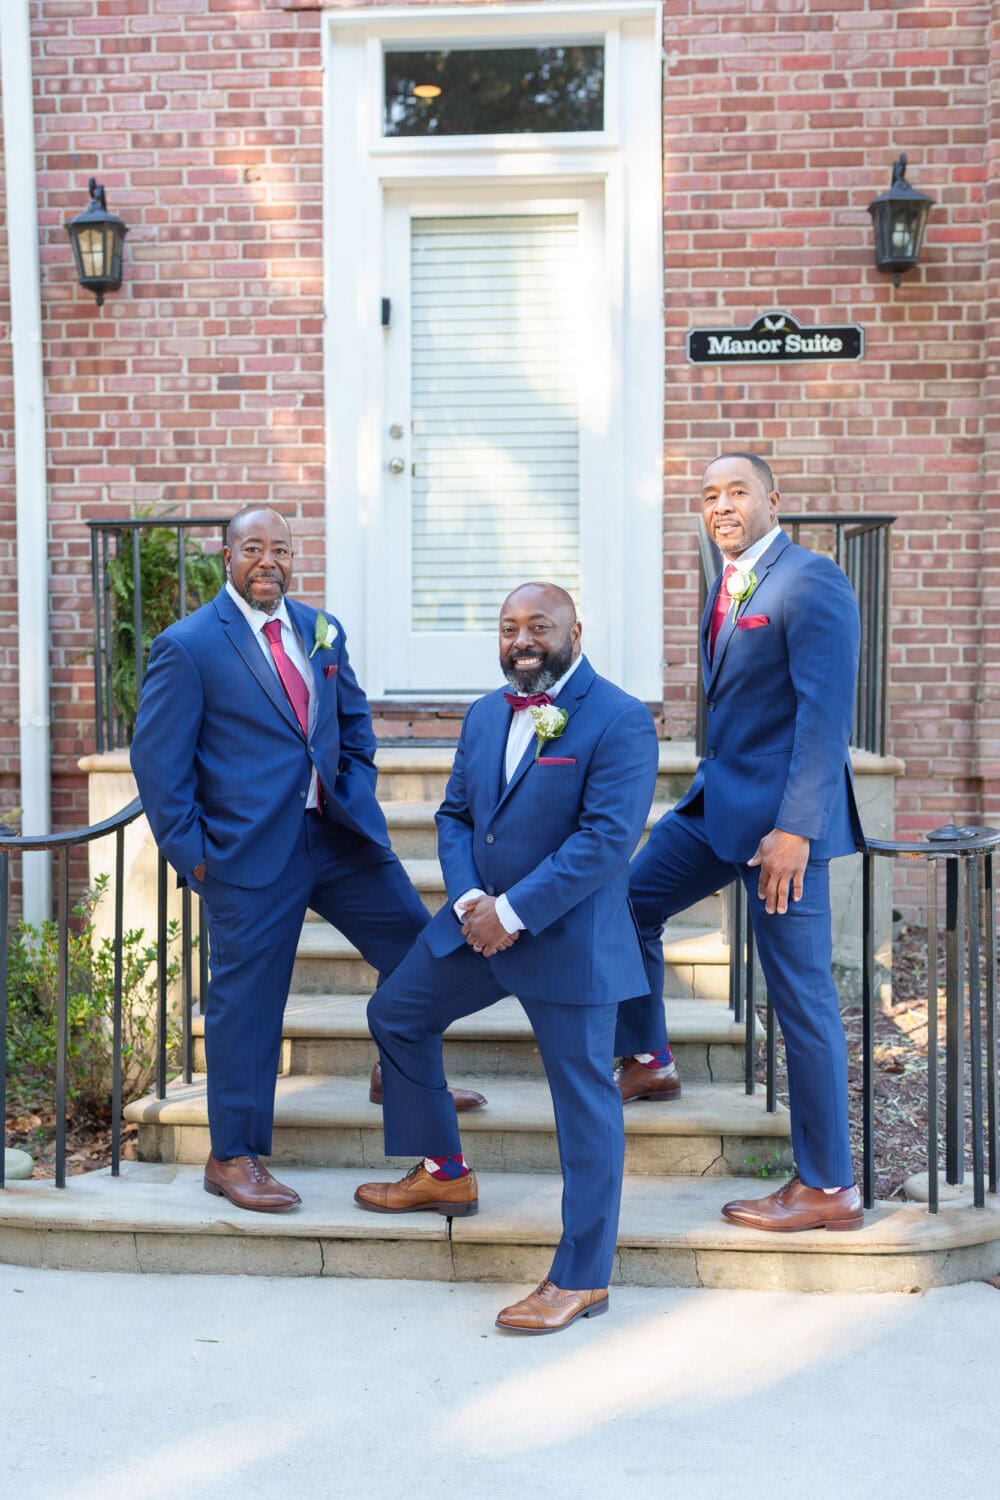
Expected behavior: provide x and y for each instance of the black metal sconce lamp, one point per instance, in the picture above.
(900, 218)
(98, 238)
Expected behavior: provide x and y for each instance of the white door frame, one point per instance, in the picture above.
(360, 166)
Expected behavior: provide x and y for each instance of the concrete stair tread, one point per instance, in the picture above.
(342, 1017)
(681, 945)
(674, 756)
(401, 814)
(519, 1208)
(516, 1104)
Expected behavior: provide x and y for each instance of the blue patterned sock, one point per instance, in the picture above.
(446, 1168)
(661, 1058)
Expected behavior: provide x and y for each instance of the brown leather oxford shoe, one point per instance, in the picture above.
(464, 1098)
(796, 1206)
(636, 1081)
(457, 1197)
(548, 1309)
(247, 1184)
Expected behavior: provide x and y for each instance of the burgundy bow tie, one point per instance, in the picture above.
(518, 701)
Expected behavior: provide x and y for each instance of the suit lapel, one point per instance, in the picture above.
(242, 637)
(761, 568)
(569, 699)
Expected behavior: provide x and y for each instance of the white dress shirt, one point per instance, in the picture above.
(294, 650)
(519, 737)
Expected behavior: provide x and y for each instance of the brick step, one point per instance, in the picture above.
(158, 1218)
(327, 1034)
(426, 876)
(697, 964)
(713, 1129)
(419, 773)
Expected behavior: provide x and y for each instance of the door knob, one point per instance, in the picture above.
(396, 466)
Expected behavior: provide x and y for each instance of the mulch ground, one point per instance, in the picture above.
(900, 1088)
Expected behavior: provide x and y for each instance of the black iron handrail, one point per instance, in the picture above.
(62, 844)
(970, 933)
(862, 547)
(118, 538)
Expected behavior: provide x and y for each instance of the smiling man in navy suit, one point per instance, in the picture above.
(771, 804)
(255, 760)
(547, 800)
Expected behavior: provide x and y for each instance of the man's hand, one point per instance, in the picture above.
(199, 871)
(483, 929)
(782, 858)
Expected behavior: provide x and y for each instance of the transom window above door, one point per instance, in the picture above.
(494, 90)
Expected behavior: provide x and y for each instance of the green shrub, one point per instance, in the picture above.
(32, 981)
(160, 590)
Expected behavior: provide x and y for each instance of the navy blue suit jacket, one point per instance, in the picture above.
(556, 840)
(780, 697)
(222, 766)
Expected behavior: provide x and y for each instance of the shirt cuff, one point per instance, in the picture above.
(470, 895)
(507, 916)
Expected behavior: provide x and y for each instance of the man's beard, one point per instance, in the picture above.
(246, 593)
(555, 665)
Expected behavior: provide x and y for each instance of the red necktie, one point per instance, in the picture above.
(518, 701)
(291, 678)
(721, 609)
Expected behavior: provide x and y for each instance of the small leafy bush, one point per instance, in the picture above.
(32, 982)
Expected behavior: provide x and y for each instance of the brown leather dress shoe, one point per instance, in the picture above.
(246, 1183)
(548, 1309)
(418, 1190)
(796, 1206)
(636, 1081)
(464, 1098)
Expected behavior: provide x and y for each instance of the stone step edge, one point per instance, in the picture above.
(681, 945)
(169, 1199)
(317, 1102)
(689, 1022)
(401, 814)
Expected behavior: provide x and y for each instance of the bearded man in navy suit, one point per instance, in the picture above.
(547, 801)
(255, 759)
(771, 804)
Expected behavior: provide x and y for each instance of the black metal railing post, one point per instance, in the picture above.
(4, 929)
(62, 1015)
(933, 1037)
(161, 977)
(116, 1048)
(868, 981)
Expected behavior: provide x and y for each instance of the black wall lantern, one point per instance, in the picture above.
(97, 238)
(900, 218)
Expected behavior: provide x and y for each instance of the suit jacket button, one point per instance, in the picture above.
(711, 708)
(302, 795)
(490, 891)
(711, 755)
(490, 838)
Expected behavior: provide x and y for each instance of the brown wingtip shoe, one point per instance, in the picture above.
(549, 1309)
(464, 1098)
(795, 1206)
(636, 1081)
(418, 1190)
(247, 1184)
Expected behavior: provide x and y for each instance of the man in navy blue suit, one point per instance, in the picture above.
(255, 760)
(771, 804)
(547, 800)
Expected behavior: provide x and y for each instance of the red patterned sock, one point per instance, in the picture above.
(446, 1168)
(660, 1059)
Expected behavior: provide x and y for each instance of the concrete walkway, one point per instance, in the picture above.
(230, 1388)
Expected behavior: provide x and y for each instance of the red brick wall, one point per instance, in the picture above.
(200, 384)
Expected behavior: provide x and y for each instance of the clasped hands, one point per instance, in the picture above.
(483, 930)
(782, 858)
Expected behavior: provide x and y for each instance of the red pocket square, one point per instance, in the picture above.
(331, 671)
(752, 622)
(556, 760)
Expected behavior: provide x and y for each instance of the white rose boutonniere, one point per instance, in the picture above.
(739, 588)
(326, 634)
(549, 723)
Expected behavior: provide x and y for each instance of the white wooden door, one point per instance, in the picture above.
(496, 400)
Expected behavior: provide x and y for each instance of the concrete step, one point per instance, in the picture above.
(713, 1129)
(414, 833)
(158, 1218)
(328, 1034)
(697, 964)
(427, 878)
(419, 773)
